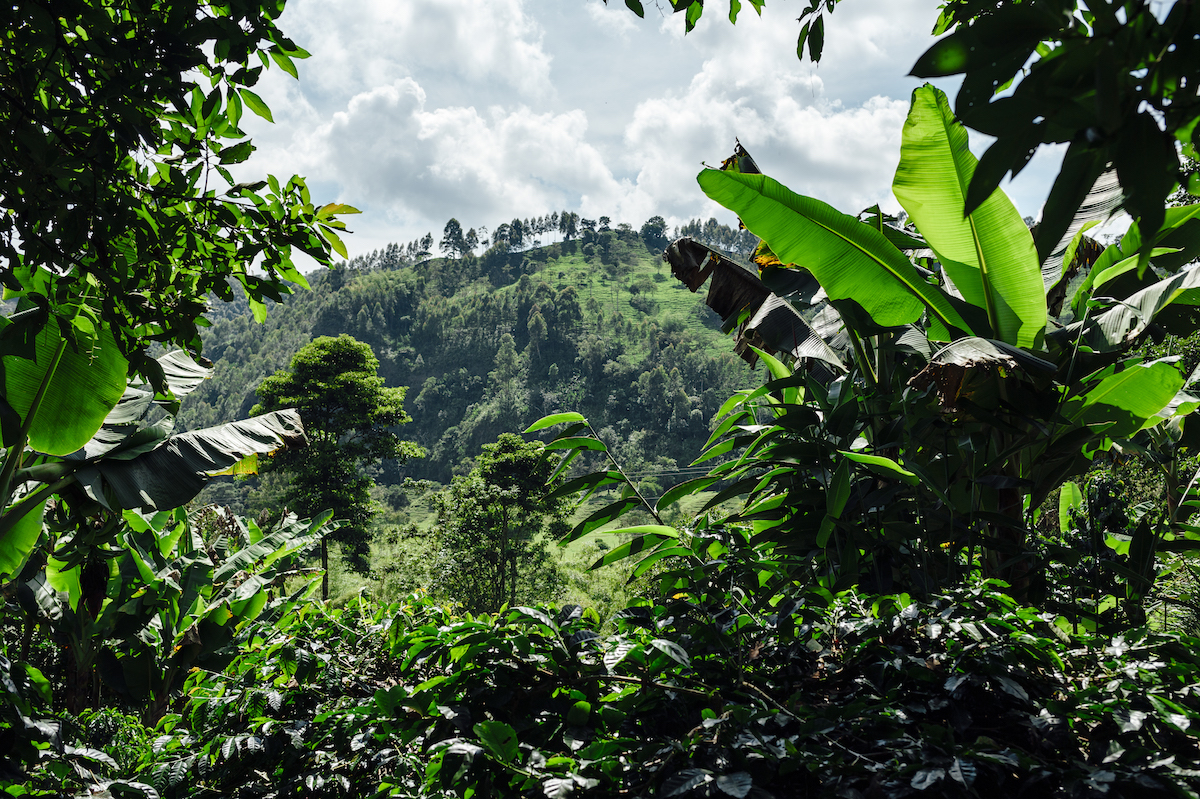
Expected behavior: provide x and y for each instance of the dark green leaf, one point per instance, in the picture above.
(499, 739)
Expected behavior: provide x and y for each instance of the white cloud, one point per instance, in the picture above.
(490, 109)
(359, 44)
(414, 163)
(615, 21)
(781, 114)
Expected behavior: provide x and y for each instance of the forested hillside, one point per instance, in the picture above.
(912, 567)
(488, 343)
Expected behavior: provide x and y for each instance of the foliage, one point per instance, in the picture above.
(1112, 79)
(142, 616)
(165, 601)
(888, 459)
(350, 417)
(813, 695)
(491, 528)
(105, 459)
(924, 452)
(120, 212)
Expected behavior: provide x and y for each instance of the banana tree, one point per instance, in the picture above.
(82, 444)
(943, 401)
(163, 598)
(1022, 402)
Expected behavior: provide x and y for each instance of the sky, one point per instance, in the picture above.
(486, 110)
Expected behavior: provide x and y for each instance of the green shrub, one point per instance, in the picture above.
(966, 694)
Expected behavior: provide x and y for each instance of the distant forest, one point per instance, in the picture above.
(487, 343)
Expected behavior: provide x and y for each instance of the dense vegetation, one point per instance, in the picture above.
(486, 344)
(856, 611)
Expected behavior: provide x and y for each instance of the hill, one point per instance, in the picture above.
(486, 344)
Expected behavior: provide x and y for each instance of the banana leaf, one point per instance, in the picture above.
(1127, 400)
(142, 419)
(1116, 328)
(850, 259)
(172, 473)
(78, 384)
(764, 319)
(989, 254)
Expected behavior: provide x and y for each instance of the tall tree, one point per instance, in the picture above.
(654, 233)
(425, 246)
(516, 234)
(502, 234)
(568, 225)
(493, 524)
(453, 242)
(349, 415)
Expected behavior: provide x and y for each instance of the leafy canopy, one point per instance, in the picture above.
(349, 416)
(121, 125)
(491, 524)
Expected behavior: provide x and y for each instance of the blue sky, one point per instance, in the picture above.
(487, 110)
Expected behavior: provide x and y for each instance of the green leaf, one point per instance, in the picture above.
(237, 153)
(24, 528)
(170, 475)
(778, 370)
(608, 513)
(682, 782)
(256, 104)
(685, 489)
(645, 537)
(42, 687)
(1081, 167)
(851, 260)
(1104, 271)
(816, 39)
(577, 442)
(1070, 498)
(736, 784)
(333, 209)
(64, 579)
(1128, 399)
(660, 553)
(586, 484)
(334, 241)
(835, 502)
(883, 466)
(233, 108)
(499, 739)
(647, 529)
(801, 39)
(636, 7)
(989, 254)
(81, 387)
(284, 62)
(258, 308)
(553, 419)
(1114, 328)
(671, 650)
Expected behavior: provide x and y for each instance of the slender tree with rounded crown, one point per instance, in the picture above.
(350, 417)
